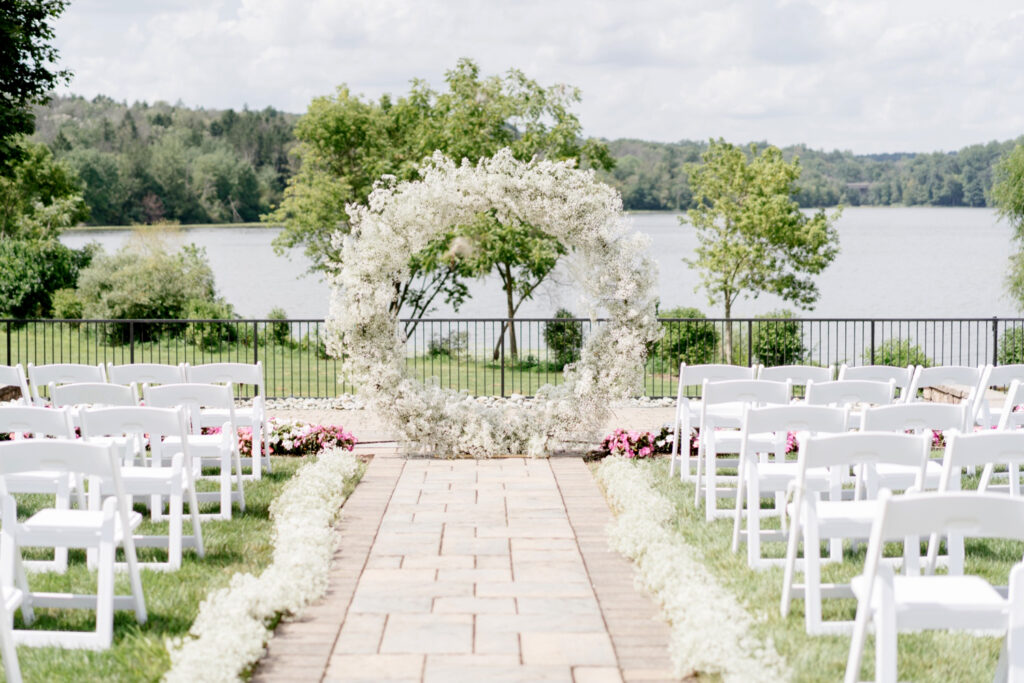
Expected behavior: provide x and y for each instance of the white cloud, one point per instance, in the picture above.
(867, 76)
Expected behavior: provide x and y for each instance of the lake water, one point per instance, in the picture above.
(893, 262)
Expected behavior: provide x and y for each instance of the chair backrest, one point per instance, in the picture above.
(224, 373)
(795, 418)
(868, 449)
(917, 417)
(751, 391)
(37, 421)
(978, 449)
(139, 421)
(878, 373)
(799, 375)
(696, 375)
(849, 392)
(192, 398)
(30, 455)
(14, 376)
(1002, 375)
(946, 375)
(62, 373)
(93, 393)
(146, 373)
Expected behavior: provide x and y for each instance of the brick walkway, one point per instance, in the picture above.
(463, 570)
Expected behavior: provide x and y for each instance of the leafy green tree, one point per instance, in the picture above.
(690, 341)
(777, 339)
(40, 197)
(32, 270)
(898, 353)
(1008, 194)
(751, 234)
(347, 143)
(564, 338)
(27, 74)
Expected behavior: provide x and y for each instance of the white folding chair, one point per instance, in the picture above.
(798, 375)
(975, 450)
(25, 421)
(881, 373)
(815, 519)
(254, 416)
(80, 394)
(101, 528)
(14, 376)
(174, 481)
(915, 602)
(721, 417)
(61, 373)
(852, 394)
(760, 478)
(987, 416)
(920, 418)
(146, 373)
(10, 601)
(688, 409)
(219, 451)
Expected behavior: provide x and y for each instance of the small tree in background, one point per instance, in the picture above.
(1011, 347)
(690, 341)
(564, 339)
(778, 341)
(1008, 195)
(898, 353)
(751, 235)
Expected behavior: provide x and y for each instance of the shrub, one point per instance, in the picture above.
(691, 342)
(210, 335)
(1011, 347)
(452, 345)
(32, 270)
(898, 353)
(564, 339)
(145, 280)
(280, 330)
(66, 304)
(778, 342)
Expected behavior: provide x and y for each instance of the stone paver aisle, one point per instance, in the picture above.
(463, 570)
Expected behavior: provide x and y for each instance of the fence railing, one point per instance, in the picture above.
(483, 358)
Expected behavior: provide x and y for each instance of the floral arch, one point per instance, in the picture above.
(400, 219)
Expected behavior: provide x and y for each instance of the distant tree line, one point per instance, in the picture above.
(652, 175)
(150, 163)
(153, 163)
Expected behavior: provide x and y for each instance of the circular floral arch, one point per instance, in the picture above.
(568, 204)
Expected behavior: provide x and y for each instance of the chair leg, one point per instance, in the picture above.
(174, 531)
(711, 483)
(791, 550)
(812, 573)
(193, 511)
(737, 519)
(10, 654)
(105, 593)
(885, 628)
(753, 521)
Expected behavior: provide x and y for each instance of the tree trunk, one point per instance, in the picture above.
(508, 284)
(728, 331)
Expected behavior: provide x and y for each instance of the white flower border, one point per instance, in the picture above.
(400, 219)
(230, 631)
(710, 629)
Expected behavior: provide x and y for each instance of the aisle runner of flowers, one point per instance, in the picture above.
(710, 629)
(230, 631)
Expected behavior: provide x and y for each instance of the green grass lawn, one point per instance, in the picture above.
(933, 656)
(172, 598)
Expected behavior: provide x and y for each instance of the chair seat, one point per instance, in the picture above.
(776, 476)
(903, 476)
(940, 602)
(214, 417)
(844, 518)
(70, 527)
(146, 480)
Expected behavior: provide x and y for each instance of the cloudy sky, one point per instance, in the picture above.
(864, 75)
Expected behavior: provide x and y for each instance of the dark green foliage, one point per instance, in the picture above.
(32, 270)
(66, 304)
(689, 340)
(451, 345)
(898, 353)
(210, 335)
(564, 339)
(777, 341)
(1011, 346)
(27, 72)
(280, 330)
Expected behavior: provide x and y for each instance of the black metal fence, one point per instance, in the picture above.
(491, 357)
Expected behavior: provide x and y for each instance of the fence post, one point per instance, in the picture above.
(131, 341)
(503, 363)
(9, 343)
(872, 342)
(256, 343)
(995, 340)
(750, 343)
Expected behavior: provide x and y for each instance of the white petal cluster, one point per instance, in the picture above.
(400, 219)
(230, 631)
(710, 629)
